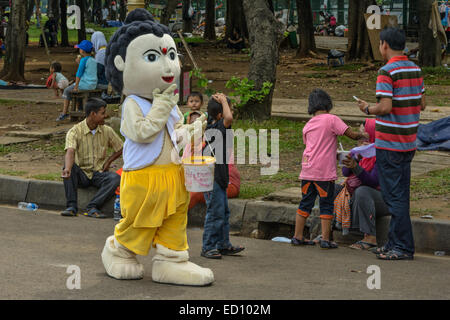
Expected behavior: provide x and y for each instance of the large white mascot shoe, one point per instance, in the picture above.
(119, 262)
(173, 267)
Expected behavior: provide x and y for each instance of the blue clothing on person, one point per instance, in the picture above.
(87, 72)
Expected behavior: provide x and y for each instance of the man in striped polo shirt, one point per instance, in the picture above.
(401, 97)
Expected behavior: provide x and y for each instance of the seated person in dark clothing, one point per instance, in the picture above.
(236, 42)
(51, 31)
(86, 163)
(363, 189)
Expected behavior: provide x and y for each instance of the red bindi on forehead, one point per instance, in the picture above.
(164, 50)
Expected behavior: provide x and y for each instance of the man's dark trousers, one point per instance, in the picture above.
(107, 182)
(394, 172)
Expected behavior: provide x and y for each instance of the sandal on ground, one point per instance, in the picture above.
(379, 250)
(362, 245)
(69, 212)
(211, 254)
(303, 242)
(95, 213)
(394, 255)
(231, 250)
(324, 244)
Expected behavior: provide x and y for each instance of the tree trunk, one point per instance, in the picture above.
(210, 23)
(64, 31)
(263, 38)
(305, 29)
(429, 47)
(53, 6)
(123, 10)
(168, 11)
(359, 47)
(97, 11)
(187, 21)
(82, 30)
(235, 19)
(14, 65)
(30, 7)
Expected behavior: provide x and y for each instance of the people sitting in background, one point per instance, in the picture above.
(50, 32)
(362, 188)
(99, 42)
(57, 81)
(86, 77)
(236, 42)
(85, 161)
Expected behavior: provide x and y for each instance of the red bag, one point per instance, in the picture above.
(49, 83)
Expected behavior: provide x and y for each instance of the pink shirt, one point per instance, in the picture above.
(320, 137)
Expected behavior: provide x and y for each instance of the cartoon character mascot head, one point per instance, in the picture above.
(142, 64)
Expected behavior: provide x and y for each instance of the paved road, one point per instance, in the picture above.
(36, 250)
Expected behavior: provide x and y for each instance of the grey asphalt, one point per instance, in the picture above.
(36, 250)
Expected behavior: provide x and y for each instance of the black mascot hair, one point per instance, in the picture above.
(138, 22)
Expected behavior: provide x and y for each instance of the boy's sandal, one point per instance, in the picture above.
(211, 254)
(324, 244)
(69, 212)
(394, 255)
(362, 245)
(303, 242)
(231, 250)
(379, 250)
(95, 213)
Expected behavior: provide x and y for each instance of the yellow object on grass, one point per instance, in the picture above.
(154, 204)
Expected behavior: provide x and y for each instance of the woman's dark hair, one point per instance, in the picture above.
(395, 38)
(319, 100)
(138, 22)
(94, 105)
(214, 108)
(195, 94)
(56, 66)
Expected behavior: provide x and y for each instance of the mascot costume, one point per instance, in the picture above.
(142, 63)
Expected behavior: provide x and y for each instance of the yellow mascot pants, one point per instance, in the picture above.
(154, 204)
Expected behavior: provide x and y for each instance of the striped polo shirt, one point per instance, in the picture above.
(402, 81)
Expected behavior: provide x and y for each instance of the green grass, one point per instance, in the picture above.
(290, 132)
(435, 183)
(8, 149)
(34, 33)
(436, 76)
(12, 102)
(251, 191)
(9, 172)
(48, 176)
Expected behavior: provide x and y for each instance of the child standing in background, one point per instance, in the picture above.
(216, 238)
(57, 81)
(319, 166)
(194, 102)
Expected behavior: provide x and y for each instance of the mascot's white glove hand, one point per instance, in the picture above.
(166, 100)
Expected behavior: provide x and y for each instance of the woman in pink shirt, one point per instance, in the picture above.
(319, 165)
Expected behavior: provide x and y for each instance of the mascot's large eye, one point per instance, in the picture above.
(151, 57)
(172, 55)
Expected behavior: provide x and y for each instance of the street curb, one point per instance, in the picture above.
(252, 217)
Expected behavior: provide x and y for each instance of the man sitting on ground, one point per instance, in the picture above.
(85, 161)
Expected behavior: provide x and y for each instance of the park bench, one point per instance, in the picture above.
(76, 110)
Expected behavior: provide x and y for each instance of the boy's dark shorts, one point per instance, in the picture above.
(310, 191)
